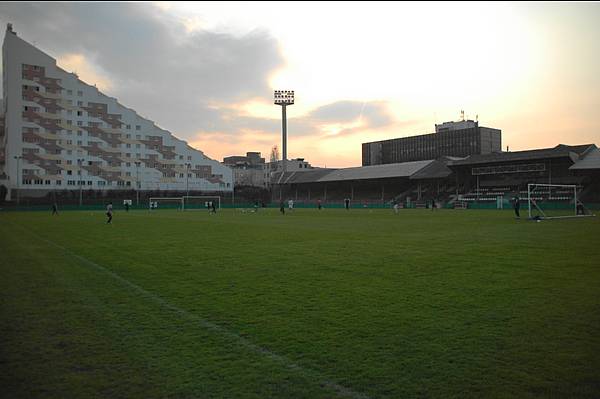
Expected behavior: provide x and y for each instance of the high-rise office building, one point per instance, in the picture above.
(458, 139)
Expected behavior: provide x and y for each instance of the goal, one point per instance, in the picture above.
(166, 203)
(191, 203)
(554, 201)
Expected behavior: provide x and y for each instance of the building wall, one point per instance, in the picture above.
(250, 177)
(69, 133)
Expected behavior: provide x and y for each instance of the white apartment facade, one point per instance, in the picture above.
(61, 133)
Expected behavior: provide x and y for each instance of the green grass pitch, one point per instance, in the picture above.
(330, 304)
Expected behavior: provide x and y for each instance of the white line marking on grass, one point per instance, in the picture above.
(347, 392)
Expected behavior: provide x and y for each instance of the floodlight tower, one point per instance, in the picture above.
(284, 98)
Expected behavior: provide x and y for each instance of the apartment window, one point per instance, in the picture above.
(128, 127)
(79, 142)
(69, 122)
(102, 183)
(70, 102)
(128, 145)
(79, 103)
(137, 127)
(127, 173)
(80, 133)
(70, 92)
(69, 152)
(59, 182)
(189, 158)
(47, 182)
(69, 112)
(79, 113)
(80, 93)
(137, 146)
(137, 136)
(181, 157)
(69, 172)
(89, 182)
(79, 123)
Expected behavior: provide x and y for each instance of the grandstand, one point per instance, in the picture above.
(476, 179)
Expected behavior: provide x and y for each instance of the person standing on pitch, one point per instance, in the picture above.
(214, 210)
(109, 212)
(319, 204)
(517, 206)
(281, 207)
(291, 204)
(127, 207)
(347, 203)
(433, 204)
(54, 209)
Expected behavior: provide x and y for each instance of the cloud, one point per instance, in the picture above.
(191, 81)
(151, 59)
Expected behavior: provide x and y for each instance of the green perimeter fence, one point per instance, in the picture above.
(298, 205)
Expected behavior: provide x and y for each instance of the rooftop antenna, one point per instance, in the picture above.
(477, 118)
(462, 115)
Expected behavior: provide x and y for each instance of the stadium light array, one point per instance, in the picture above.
(284, 97)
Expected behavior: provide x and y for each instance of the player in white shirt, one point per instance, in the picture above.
(291, 204)
(109, 212)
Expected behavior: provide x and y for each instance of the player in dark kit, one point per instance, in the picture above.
(54, 209)
(281, 207)
(517, 206)
(347, 203)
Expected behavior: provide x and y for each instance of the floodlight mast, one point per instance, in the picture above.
(284, 98)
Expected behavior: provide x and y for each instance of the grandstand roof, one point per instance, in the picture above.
(435, 170)
(591, 160)
(404, 169)
(560, 151)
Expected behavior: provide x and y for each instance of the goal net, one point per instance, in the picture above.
(191, 203)
(554, 201)
(166, 203)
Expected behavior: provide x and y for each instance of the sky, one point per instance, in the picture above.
(361, 71)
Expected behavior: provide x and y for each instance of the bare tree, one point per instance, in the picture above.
(274, 154)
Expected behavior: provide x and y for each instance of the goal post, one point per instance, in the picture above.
(166, 203)
(554, 201)
(203, 202)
